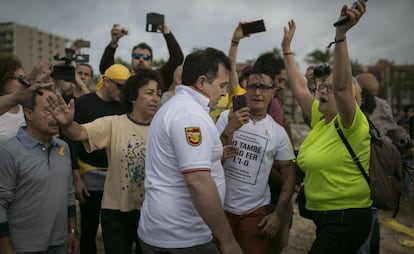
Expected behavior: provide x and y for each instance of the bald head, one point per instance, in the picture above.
(369, 82)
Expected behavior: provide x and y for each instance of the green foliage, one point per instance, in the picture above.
(119, 60)
(319, 57)
(158, 63)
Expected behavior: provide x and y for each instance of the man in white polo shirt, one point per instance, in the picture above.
(184, 180)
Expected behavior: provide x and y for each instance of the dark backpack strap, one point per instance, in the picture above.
(373, 127)
(351, 152)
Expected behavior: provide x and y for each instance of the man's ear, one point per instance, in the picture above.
(274, 91)
(201, 82)
(28, 114)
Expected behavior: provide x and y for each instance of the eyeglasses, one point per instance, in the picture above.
(118, 85)
(261, 87)
(328, 87)
(145, 57)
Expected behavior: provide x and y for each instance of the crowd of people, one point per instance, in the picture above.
(161, 160)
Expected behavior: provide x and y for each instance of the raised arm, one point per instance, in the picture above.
(237, 36)
(297, 83)
(176, 57)
(109, 53)
(21, 95)
(342, 71)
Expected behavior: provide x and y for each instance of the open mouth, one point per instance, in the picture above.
(153, 107)
(323, 100)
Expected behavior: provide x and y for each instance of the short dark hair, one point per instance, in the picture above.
(30, 103)
(87, 65)
(9, 64)
(269, 64)
(143, 45)
(203, 62)
(130, 89)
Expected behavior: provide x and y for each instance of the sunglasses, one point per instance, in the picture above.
(118, 85)
(145, 57)
(261, 87)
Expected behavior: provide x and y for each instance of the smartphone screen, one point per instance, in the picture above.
(253, 27)
(239, 101)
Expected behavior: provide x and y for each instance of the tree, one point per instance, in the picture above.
(119, 60)
(319, 56)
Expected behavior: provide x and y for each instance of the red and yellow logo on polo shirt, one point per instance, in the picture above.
(193, 136)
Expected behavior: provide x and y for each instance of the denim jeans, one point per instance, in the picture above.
(341, 232)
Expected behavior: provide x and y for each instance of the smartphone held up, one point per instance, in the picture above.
(253, 27)
(345, 19)
(155, 22)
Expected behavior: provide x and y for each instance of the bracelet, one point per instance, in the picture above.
(288, 53)
(234, 43)
(336, 41)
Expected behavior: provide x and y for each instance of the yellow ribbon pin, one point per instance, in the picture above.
(61, 150)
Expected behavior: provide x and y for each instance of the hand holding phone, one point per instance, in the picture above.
(253, 27)
(155, 22)
(239, 101)
(345, 19)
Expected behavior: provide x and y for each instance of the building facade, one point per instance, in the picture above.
(30, 44)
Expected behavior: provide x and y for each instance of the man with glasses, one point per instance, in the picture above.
(89, 179)
(274, 66)
(264, 150)
(141, 55)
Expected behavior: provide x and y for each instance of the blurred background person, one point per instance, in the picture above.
(142, 55)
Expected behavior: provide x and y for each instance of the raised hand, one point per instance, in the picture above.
(288, 33)
(60, 111)
(116, 34)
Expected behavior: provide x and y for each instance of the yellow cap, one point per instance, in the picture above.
(116, 72)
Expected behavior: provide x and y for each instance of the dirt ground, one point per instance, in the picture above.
(302, 231)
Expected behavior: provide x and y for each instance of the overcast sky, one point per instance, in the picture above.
(385, 32)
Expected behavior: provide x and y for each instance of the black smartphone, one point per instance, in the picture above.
(253, 27)
(345, 19)
(239, 101)
(155, 22)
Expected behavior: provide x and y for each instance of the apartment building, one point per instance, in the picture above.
(30, 44)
